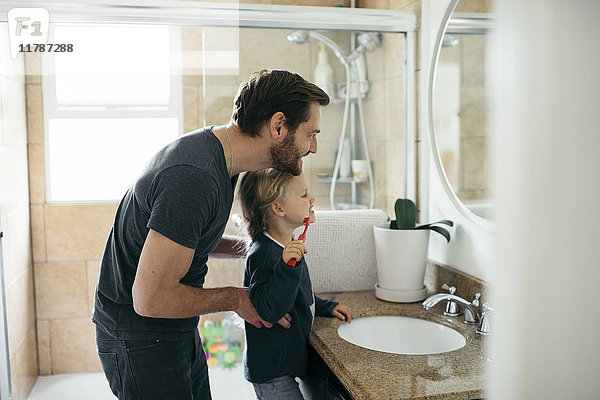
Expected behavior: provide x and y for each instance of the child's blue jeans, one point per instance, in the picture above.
(282, 388)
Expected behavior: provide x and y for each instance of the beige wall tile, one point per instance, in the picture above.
(216, 39)
(473, 111)
(23, 378)
(331, 127)
(473, 59)
(320, 163)
(93, 270)
(406, 5)
(77, 232)
(392, 46)
(224, 272)
(191, 38)
(325, 3)
(376, 59)
(394, 108)
(381, 4)
(38, 239)
(191, 43)
(37, 183)
(33, 68)
(73, 346)
(19, 309)
(35, 123)
(43, 346)
(192, 77)
(279, 54)
(60, 290)
(393, 172)
(474, 6)
(375, 108)
(218, 104)
(190, 108)
(474, 163)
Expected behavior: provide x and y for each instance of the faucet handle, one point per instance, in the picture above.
(471, 316)
(484, 323)
(475, 301)
(451, 289)
(452, 309)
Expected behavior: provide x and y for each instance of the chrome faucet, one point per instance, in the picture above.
(470, 309)
(452, 309)
(484, 324)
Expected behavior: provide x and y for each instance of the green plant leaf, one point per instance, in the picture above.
(444, 221)
(437, 229)
(406, 214)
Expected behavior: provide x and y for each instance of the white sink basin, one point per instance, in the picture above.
(401, 335)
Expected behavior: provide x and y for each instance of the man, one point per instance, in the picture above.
(149, 292)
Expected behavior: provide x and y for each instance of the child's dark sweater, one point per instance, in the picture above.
(276, 289)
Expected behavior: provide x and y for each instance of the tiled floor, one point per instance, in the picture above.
(225, 385)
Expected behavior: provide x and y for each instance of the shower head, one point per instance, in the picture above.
(367, 41)
(301, 37)
(298, 37)
(449, 40)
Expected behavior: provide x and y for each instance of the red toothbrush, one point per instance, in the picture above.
(292, 262)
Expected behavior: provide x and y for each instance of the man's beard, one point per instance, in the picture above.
(285, 155)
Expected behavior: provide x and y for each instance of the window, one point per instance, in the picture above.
(109, 105)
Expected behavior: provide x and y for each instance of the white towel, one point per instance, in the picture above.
(341, 249)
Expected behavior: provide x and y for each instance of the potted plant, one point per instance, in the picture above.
(401, 253)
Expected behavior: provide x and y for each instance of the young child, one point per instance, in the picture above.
(274, 204)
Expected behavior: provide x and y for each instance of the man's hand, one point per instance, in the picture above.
(246, 310)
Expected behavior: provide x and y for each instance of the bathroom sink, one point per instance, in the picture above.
(401, 335)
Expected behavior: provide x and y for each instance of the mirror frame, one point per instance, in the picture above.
(467, 22)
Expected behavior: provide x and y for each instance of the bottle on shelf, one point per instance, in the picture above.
(323, 73)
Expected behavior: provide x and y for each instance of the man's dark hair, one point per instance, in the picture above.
(271, 91)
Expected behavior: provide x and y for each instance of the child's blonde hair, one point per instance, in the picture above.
(258, 190)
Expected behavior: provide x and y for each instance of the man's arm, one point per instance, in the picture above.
(231, 247)
(157, 292)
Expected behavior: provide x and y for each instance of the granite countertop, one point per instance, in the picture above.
(369, 374)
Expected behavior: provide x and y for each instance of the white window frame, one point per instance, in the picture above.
(52, 110)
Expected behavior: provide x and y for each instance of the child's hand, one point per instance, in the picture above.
(294, 249)
(343, 312)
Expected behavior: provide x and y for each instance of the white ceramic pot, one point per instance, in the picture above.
(401, 258)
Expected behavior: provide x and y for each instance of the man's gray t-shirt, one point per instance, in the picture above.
(185, 194)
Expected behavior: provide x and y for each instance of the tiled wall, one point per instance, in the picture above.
(14, 222)
(67, 244)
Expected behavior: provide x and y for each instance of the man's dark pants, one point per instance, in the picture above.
(154, 369)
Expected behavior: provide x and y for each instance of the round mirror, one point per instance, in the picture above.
(459, 111)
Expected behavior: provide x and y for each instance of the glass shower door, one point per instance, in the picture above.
(5, 388)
